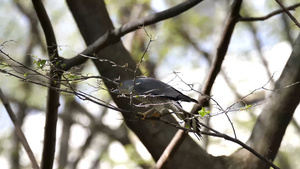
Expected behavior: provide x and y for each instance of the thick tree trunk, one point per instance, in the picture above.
(93, 21)
(272, 123)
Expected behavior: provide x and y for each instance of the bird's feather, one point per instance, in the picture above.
(150, 86)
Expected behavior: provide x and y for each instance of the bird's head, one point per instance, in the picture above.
(125, 87)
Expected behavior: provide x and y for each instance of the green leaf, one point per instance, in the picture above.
(40, 63)
(246, 107)
(72, 77)
(203, 112)
(25, 74)
(4, 65)
(187, 126)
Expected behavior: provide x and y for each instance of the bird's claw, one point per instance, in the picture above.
(156, 114)
(144, 115)
(141, 115)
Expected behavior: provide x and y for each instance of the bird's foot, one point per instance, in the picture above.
(141, 115)
(144, 115)
(156, 114)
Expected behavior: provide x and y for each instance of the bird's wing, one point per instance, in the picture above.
(153, 87)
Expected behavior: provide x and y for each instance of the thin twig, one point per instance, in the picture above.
(19, 64)
(276, 12)
(235, 140)
(222, 49)
(19, 131)
(140, 62)
(233, 129)
(114, 36)
(288, 13)
(215, 133)
(79, 94)
(113, 64)
(144, 53)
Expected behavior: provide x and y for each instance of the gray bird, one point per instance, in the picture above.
(162, 97)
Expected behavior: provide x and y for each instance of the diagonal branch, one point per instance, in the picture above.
(171, 149)
(223, 46)
(215, 69)
(271, 124)
(155, 138)
(19, 131)
(288, 13)
(276, 12)
(220, 53)
(114, 36)
(211, 132)
(81, 95)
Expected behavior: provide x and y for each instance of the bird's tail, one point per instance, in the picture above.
(191, 121)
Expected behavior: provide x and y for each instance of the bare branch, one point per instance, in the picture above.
(245, 146)
(171, 149)
(53, 95)
(288, 13)
(65, 82)
(262, 18)
(269, 129)
(19, 131)
(114, 36)
(79, 94)
(144, 53)
(47, 27)
(180, 135)
(221, 51)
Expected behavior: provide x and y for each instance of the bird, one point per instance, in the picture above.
(162, 97)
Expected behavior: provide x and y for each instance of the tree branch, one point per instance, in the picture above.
(19, 131)
(220, 54)
(270, 128)
(180, 135)
(223, 46)
(155, 138)
(245, 146)
(47, 28)
(113, 36)
(215, 69)
(288, 13)
(235, 140)
(79, 94)
(171, 149)
(53, 95)
(262, 18)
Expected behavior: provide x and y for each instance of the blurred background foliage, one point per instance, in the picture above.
(184, 44)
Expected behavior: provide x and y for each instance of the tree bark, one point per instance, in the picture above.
(93, 21)
(272, 123)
